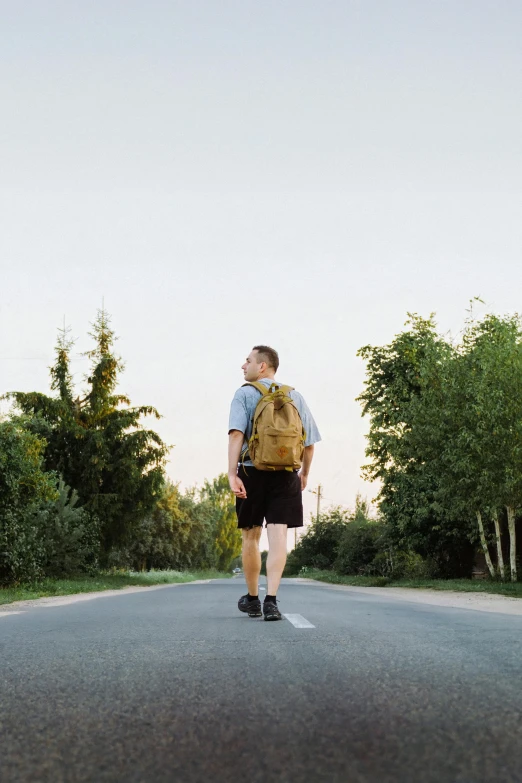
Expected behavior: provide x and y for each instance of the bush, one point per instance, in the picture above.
(24, 488)
(399, 564)
(358, 547)
(367, 548)
(49, 539)
(21, 547)
(70, 536)
(318, 547)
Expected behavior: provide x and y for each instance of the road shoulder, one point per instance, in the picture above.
(480, 602)
(62, 600)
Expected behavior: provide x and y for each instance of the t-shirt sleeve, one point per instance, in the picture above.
(238, 419)
(310, 427)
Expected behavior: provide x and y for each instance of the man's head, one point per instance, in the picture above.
(262, 362)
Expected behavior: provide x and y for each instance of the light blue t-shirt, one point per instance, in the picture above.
(244, 405)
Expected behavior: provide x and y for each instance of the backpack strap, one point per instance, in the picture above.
(264, 391)
(259, 386)
(268, 389)
(286, 389)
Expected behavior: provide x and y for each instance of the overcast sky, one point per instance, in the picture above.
(226, 173)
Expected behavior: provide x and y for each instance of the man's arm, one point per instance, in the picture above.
(235, 443)
(307, 462)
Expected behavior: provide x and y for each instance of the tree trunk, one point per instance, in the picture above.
(500, 556)
(512, 542)
(484, 545)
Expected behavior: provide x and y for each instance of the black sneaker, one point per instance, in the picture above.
(252, 608)
(271, 611)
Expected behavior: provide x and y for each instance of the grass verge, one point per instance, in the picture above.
(513, 589)
(102, 581)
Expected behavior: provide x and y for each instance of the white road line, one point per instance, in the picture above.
(298, 621)
(263, 589)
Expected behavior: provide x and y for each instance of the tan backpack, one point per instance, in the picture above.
(278, 437)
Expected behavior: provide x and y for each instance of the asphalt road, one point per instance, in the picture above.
(176, 685)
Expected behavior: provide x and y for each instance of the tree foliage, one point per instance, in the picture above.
(42, 533)
(220, 501)
(319, 546)
(24, 487)
(445, 437)
(193, 529)
(96, 441)
(82, 481)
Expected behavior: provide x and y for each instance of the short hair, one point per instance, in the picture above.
(268, 355)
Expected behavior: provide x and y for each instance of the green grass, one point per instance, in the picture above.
(102, 581)
(459, 585)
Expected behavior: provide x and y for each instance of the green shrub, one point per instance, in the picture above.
(49, 539)
(358, 547)
(398, 564)
(21, 547)
(24, 487)
(318, 547)
(367, 549)
(70, 536)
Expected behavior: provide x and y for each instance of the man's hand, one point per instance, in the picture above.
(308, 455)
(237, 486)
(235, 442)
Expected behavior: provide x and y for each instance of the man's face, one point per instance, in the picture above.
(253, 368)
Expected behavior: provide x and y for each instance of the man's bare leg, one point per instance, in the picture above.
(276, 559)
(251, 557)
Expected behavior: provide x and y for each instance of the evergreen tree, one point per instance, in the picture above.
(97, 443)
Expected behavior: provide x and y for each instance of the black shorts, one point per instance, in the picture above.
(272, 495)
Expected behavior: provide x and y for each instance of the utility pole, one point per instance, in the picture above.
(319, 493)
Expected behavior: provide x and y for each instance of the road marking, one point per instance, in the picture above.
(298, 621)
(262, 589)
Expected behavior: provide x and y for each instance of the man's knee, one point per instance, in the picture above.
(276, 531)
(251, 534)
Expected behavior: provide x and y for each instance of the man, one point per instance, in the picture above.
(272, 495)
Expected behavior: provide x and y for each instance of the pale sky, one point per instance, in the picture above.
(225, 173)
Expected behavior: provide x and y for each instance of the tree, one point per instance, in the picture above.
(484, 463)
(445, 436)
(97, 442)
(395, 376)
(178, 533)
(397, 379)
